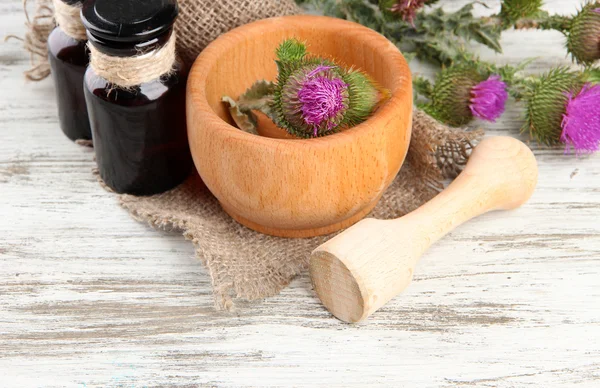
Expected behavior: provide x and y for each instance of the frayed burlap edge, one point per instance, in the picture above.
(249, 265)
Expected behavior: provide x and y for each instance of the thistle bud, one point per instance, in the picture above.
(547, 101)
(583, 37)
(461, 93)
(315, 97)
(513, 10)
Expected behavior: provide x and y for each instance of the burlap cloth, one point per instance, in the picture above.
(202, 21)
(243, 263)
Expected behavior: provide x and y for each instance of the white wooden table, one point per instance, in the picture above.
(89, 297)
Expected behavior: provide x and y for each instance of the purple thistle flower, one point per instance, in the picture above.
(322, 98)
(581, 122)
(407, 9)
(597, 10)
(488, 99)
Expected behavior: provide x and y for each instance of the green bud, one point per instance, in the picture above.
(513, 10)
(583, 38)
(546, 103)
(291, 50)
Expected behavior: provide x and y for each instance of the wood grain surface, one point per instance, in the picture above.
(88, 297)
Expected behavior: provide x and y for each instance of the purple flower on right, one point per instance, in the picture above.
(581, 121)
(488, 98)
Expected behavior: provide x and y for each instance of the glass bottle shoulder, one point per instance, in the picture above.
(66, 49)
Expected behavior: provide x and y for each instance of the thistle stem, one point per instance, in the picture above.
(554, 22)
(542, 22)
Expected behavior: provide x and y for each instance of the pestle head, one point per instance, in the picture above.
(358, 271)
(336, 287)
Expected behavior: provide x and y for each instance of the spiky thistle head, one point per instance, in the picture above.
(513, 10)
(583, 37)
(581, 120)
(451, 95)
(316, 97)
(546, 103)
(461, 93)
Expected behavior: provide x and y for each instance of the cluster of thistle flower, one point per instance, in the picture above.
(562, 106)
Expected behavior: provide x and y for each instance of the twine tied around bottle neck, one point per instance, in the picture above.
(68, 19)
(127, 72)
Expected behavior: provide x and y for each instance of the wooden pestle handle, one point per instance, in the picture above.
(360, 270)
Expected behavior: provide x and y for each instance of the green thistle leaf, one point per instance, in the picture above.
(422, 87)
(385, 6)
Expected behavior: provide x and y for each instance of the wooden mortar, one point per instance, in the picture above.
(297, 187)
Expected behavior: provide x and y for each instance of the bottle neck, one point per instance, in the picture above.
(130, 65)
(125, 49)
(67, 16)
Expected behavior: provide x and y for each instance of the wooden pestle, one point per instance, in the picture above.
(360, 270)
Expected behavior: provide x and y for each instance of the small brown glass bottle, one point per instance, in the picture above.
(69, 57)
(139, 131)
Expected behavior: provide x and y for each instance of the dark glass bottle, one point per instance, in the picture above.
(68, 59)
(139, 132)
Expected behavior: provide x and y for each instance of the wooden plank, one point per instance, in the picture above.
(88, 297)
